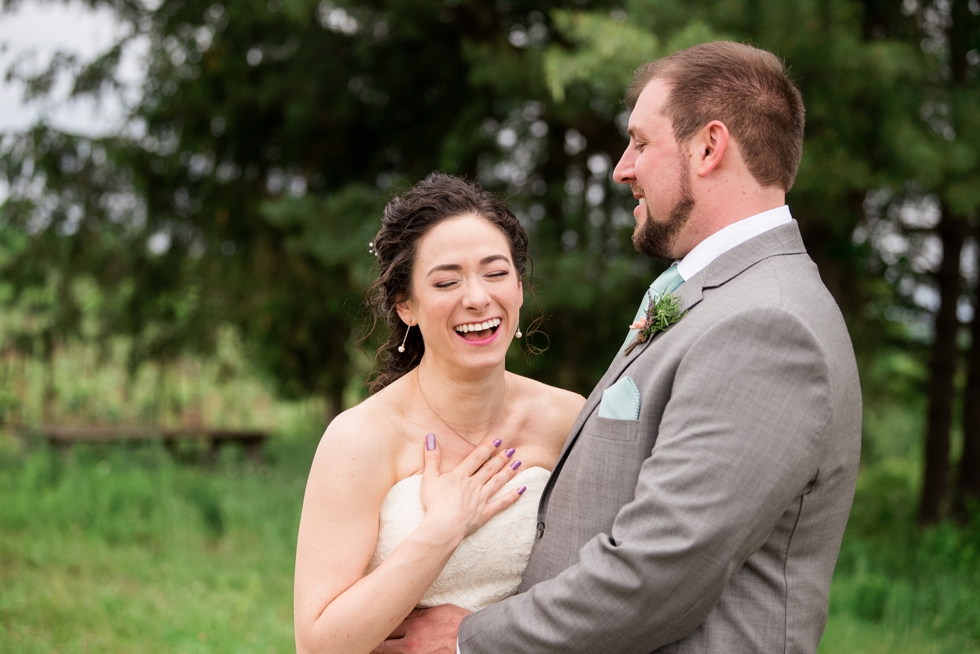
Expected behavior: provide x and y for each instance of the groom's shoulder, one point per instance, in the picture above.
(790, 279)
(787, 288)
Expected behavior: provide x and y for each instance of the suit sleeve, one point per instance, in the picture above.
(747, 419)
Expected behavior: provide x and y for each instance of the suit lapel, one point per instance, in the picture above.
(690, 294)
(781, 240)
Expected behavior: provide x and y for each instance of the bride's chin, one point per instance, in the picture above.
(482, 359)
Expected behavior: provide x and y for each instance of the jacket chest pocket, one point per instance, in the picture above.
(612, 430)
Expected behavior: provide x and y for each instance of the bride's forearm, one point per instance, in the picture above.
(365, 614)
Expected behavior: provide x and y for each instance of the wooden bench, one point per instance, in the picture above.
(63, 437)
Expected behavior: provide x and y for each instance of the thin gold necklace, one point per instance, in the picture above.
(493, 423)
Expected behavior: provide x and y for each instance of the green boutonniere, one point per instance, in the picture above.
(661, 314)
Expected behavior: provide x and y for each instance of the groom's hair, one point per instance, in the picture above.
(745, 88)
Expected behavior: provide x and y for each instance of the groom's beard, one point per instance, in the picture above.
(656, 240)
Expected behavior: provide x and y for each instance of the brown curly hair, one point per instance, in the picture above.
(406, 219)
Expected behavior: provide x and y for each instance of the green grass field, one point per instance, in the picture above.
(122, 550)
(119, 549)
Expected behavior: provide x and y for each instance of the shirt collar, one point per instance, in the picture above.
(729, 237)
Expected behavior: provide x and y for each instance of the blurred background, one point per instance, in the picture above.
(187, 191)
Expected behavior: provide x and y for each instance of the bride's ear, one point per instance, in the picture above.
(405, 312)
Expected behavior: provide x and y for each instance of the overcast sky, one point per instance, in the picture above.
(29, 37)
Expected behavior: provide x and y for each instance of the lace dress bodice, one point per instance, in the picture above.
(488, 565)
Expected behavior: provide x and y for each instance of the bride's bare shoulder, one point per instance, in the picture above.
(369, 415)
(363, 439)
(553, 410)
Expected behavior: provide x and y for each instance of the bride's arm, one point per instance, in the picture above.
(336, 608)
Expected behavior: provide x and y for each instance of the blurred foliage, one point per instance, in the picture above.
(268, 135)
(90, 383)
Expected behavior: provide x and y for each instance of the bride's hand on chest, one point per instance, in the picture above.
(460, 500)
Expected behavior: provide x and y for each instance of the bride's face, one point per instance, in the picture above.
(466, 293)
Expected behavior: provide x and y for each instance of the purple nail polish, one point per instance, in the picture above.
(498, 443)
(509, 453)
(520, 491)
(515, 465)
(430, 442)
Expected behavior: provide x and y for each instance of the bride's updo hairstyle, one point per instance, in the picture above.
(407, 218)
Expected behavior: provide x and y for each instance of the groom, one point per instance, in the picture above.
(701, 498)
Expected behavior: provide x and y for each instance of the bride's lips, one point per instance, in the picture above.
(492, 335)
(480, 341)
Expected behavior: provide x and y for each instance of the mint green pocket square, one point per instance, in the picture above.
(621, 401)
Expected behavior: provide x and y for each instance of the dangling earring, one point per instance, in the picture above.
(401, 348)
(518, 334)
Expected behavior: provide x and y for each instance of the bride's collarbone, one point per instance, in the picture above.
(454, 450)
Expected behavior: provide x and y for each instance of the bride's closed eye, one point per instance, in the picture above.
(449, 283)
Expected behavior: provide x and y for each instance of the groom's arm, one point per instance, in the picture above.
(749, 408)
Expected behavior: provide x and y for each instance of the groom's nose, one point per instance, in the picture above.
(623, 173)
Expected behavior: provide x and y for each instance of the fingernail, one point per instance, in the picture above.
(430, 442)
(509, 453)
(498, 443)
(515, 465)
(520, 491)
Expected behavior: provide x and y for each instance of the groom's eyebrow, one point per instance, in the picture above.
(455, 267)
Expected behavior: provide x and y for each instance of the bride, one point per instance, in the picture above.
(415, 495)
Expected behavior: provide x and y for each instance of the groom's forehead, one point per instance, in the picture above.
(646, 124)
(651, 101)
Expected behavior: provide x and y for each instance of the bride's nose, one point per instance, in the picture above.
(476, 296)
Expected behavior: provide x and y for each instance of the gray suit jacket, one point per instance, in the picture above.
(713, 522)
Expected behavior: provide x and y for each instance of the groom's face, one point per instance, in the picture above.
(657, 169)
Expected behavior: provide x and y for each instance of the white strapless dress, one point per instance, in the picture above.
(488, 565)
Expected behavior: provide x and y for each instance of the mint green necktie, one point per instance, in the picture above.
(668, 282)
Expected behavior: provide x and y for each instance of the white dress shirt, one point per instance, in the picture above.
(728, 237)
(724, 240)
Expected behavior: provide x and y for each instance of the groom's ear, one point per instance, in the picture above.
(710, 145)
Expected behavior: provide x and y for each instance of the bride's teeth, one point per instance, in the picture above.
(478, 327)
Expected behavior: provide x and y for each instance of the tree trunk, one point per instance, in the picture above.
(968, 474)
(334, 404)
(49, 393)
(962, 38)
(942, 367)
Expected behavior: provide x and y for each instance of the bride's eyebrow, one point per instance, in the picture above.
(455, 267)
